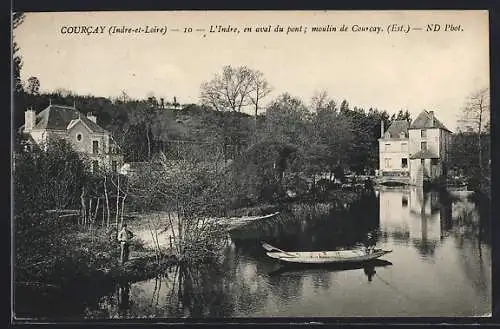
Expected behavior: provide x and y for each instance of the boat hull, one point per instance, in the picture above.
(327, 257)
(238, 222)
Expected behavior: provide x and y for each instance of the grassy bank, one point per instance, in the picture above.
(60, 253)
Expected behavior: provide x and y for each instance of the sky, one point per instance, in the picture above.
(386, 70)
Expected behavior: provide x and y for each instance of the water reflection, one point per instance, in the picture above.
(440, 266)
(123, 298)
(426, 219)
(320, 273)
(412, 216)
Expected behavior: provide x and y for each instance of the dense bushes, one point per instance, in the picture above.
(50, 178)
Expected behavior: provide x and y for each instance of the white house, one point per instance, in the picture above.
(83, 132)
(393, 149)
(419, 149)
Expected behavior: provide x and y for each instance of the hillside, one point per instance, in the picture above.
(170, 129)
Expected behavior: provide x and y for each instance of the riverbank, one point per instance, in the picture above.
(75, 253)
(65, 256)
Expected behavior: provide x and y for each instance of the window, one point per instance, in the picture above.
(423, 133)
(95, 166)
(79, 137)
(95, 147)
(404, 201)
(114, 166)
(387, 147)
(404, 147)
(434, 162)
(387, 162)
(423, 146)
(404, 163)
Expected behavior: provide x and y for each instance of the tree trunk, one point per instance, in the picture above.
(479, 141)
(84, 210)
(123, 206)
(117, 201)
(107, 202)
(173, 232)
(149, 144)
(103, 215)
(153, 238)
(180, 231)
(96, 209)
(255, 119)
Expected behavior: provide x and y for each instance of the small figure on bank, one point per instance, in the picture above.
(124, 238)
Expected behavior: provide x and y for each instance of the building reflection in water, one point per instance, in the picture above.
(411, 215)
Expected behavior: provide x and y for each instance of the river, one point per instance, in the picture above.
(440, 265)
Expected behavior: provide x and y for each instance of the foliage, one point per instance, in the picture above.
(50, 242)
(50, 177)
(327, 139)
(188, 193)
(257, 176)
(17, 20)
(464, 150)
(33, 86)
(476, 112)
(476, 116)
(234, 90)
(286, 120)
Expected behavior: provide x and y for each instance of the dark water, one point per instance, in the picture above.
(440, 266)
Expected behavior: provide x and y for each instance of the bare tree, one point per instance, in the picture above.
(319, 100)
(63, 92)
(260, 88)
(124, 97)
(228, 91)
(477, 113)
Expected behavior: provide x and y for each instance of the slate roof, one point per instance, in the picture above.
(427, 120)
(58, 117)
(426, 154)
(397, 127)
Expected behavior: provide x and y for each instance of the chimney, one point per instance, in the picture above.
(382, 129)
(431, 115)
(92, 117)
(29, 119)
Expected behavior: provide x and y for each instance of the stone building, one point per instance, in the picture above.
(393, 149)
(82, 131)
(429, 144)
(418, 150)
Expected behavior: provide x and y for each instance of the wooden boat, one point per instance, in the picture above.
(237, 222)
(324, 257)
(300, 268)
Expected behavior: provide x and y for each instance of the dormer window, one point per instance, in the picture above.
(402, 134)
(79, 137)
